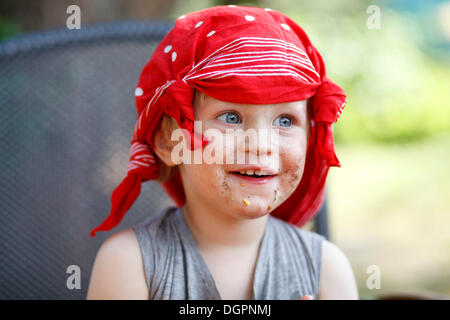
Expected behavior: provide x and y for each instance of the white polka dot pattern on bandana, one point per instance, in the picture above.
(138, 92)
(174, 56)
(167, 49)
(285, 26)
(249, 18)
(198, 24)
(211, 33)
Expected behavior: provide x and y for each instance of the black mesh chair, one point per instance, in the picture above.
(67, 113)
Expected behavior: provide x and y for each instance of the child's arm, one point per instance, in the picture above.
(118, 271)
(336, 280)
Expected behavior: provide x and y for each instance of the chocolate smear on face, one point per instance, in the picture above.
(294, 175)
(293, 179)
(225, 186)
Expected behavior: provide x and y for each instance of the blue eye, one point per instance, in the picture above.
(230, 117)
(283, 121)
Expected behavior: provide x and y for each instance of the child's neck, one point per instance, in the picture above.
(212, 228)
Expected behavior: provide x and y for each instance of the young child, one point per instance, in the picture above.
(235, 230)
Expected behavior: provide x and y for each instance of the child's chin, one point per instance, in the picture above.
(254, 210)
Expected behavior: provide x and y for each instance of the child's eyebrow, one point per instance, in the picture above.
(218, 104)
(294, 107)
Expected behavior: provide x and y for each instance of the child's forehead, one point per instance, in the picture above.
(203, 101)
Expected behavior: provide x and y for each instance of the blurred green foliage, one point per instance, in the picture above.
(397, 92)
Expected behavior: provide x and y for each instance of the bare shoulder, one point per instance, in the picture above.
(118, 271)
(337, 280)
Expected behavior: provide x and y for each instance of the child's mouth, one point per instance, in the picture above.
(253, 176)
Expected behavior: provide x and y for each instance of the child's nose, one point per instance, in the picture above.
(257, 122)
(258, 141)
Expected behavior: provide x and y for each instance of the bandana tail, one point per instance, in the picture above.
(122, 199)
(141, 167)
(325, 144)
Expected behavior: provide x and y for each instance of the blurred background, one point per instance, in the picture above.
(389, 203)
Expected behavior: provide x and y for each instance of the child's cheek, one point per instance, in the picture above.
(215, 181)
(292, 162)
(221, 179)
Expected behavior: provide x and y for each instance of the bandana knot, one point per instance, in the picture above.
(328, 103)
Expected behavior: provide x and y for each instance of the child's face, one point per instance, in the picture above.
(220, 185)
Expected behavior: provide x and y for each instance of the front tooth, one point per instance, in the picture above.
(242, 172)
(258, 172)
(249, 172)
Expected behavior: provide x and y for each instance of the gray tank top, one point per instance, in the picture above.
(288, 265)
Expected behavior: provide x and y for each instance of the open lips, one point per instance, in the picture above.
(254, 175)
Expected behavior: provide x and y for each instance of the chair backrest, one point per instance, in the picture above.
(67, 102)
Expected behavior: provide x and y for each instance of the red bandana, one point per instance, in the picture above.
(236, 54)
